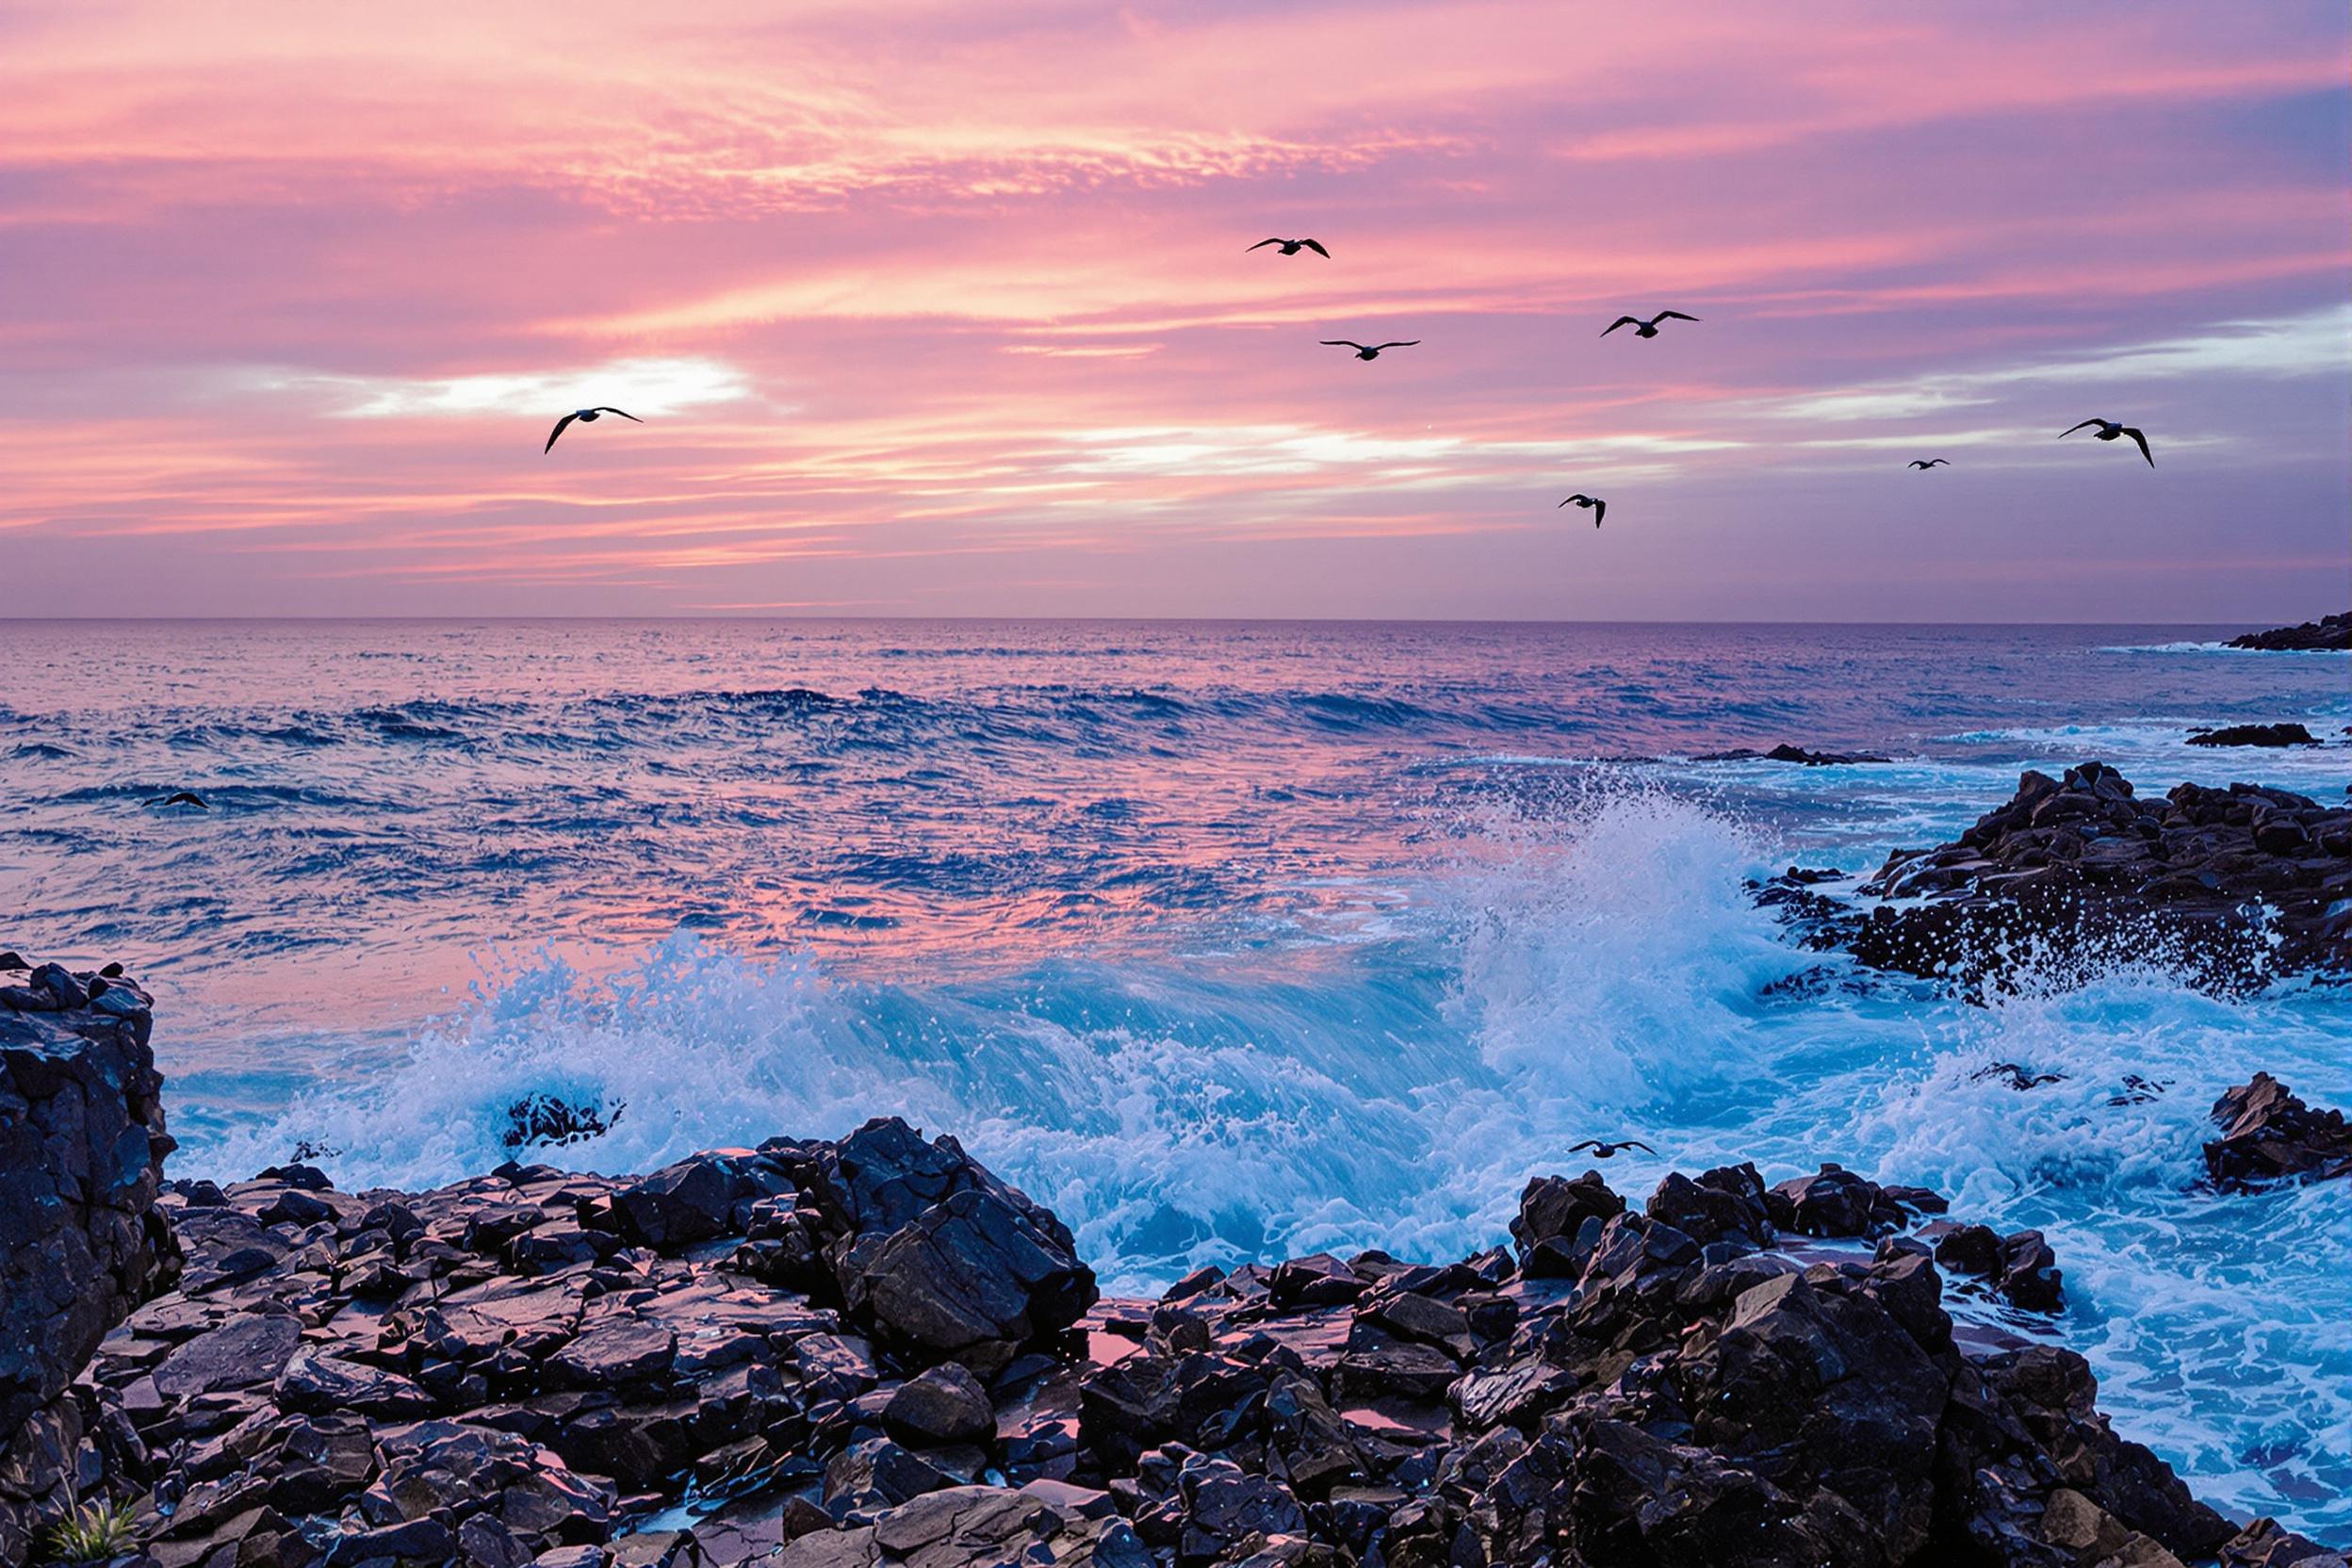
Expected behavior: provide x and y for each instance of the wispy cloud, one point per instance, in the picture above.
(650, 386)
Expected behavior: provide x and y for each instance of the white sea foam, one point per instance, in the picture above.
(1587, 964)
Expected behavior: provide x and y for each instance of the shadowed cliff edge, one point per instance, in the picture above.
(873, 1351)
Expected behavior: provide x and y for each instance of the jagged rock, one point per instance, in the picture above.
(239, 1354)
(941, 1257)
(2268, 1135)
(2330, 633)
(679, 1204)
(943, 1405)
(509, 1371)
(2255, 735)
(2235, 885)
(1726, 1204)
(1554, 1208)
(2264, 1545)
(1833, 1201)
(82, 1143)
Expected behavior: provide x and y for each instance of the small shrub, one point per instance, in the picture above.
(92, 1533)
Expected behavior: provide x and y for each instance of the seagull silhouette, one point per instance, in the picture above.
(2109, 431)
(1930, 461)
(184, 797)
(1609, 1150)
(1591, 503)
(1648, 328)
(1291, 247)
(1363, 353)
(586, 416)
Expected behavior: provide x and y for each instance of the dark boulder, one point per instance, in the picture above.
(2268, 1135)
(945, 1405)
(938, 1255)
(1833, 1201)
(1554, 1208)
(1726, 1204)
(2255, 735)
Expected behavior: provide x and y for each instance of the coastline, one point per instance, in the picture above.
(873, 1351)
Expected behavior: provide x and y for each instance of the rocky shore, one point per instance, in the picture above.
(873, 1351)
(2237, 885)
(2332, 633)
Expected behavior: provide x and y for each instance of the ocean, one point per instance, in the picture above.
(1226, 940)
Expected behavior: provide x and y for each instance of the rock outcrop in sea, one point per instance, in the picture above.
(867, 1351)
(2234, 886)
(2330, 633)
(2269, 1135)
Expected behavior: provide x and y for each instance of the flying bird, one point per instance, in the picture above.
(1930, 461)
(1648, 328)
(1292, 247)
(586, 416)
(2109, 431)
(1591, 503)
(183, 798)
(1372, 352)
(1609, 1150)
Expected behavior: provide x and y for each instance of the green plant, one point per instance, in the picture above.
(92, 1533)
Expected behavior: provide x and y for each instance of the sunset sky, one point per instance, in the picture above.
(945, 309)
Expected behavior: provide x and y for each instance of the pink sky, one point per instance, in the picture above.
(940, 309)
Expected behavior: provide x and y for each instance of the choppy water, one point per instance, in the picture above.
(1223, 940)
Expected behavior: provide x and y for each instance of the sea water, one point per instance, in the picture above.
(1226, 940)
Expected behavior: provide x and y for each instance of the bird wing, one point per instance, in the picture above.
(2084, 425)
(1637, 1143)
(1408, 343)
(1589, 1143)
(1342, 343)
(1666, 316)
(1316, 246)
(2142, 442)
(624, 414)
(1600, 510)
(1621, 322)
(558, 431)
(1262, 244)
(1933, 460)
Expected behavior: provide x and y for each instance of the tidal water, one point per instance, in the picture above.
(1226, 940)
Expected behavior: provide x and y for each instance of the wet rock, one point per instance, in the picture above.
(550, 1121)
(1726, 1204)
(1317, 1279)
(943, 1405)
(82, 1143)
(679, 1204)
(2265, 1544)
(972, 1277)
(2030, 1275)
(240, 1353)
(1833, 1201)
(2268, 1135)
(1787, 752)
(2255, 735)
(2332, 633)
(1554, 1208)
(2234, 886)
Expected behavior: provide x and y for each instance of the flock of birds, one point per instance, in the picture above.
(2106, 429)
